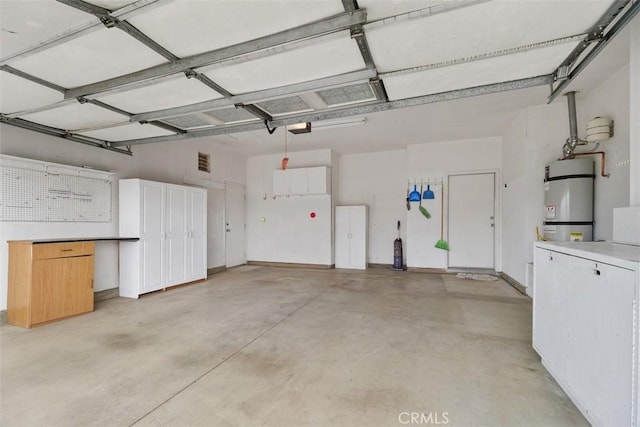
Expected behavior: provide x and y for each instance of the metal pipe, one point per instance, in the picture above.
(603, 155)
(573, 140)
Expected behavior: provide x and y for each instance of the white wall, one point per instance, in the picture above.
(379, 181)
(634, 113)
(164, 162)
(534, 139)
(435, 161)
(287, 234)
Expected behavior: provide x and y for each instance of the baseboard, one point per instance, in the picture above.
(106, 294)
(374, 265)
(292, 265)
(427, 270)
(215, 270)
(513, 282)
(3, 317)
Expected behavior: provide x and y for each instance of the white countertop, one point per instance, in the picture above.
(607, 252)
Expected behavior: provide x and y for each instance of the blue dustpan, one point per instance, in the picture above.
(414, 196)
(428, 194)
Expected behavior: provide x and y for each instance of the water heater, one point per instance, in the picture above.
(568, 200)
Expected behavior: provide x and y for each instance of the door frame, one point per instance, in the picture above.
(244, 218)
(497, 209)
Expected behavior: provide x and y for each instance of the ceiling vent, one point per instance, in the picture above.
(203, 162)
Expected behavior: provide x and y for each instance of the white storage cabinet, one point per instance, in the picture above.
(585, 325)
(351, 237)
(302, 181)
(171, 222)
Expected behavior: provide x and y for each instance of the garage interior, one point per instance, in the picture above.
(285, 112)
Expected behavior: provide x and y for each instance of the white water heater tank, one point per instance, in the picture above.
(568, 200)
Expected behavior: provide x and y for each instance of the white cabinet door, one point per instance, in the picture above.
(600, 321)
(298, 181)
(197, 235)
(152, 236)
(176, 229)
(342, 241)
(319, 181)
(550, 300)
(351, 237)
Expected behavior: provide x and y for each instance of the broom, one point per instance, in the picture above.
(422, 210)
(442, 244)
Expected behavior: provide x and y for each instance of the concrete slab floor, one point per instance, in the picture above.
(288, 347)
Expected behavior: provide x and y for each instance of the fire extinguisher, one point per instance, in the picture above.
(397, 252)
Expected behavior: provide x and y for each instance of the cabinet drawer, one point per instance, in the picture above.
(62, 250)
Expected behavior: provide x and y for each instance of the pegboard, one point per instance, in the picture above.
(37, 195)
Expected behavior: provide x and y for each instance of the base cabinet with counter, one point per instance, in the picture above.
(585, 325)
(49, 281)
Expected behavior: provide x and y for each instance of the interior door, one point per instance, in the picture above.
(471, 230)
(216, 252)
(235, 224)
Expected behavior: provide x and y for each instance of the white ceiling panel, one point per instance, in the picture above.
(97, 56)
(76, 116)
(377, 9)
(167, 94)
(499, 69)
(19, 94)
(293, 66)
(26, 23)
(188, 27)
(482, 28)
(126, 132)
(111, 4)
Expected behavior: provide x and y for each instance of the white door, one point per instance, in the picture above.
(176, 240)
(152, 238)
(471, 220)
(215, 228)
(235, 225)
(197, 234)
(342, 239)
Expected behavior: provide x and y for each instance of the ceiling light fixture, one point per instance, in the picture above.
(300, 128)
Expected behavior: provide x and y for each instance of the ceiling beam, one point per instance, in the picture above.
(34, 79)
(315, 29)
(59, 133)
(374, 107)
(257, 96)
(600, 45)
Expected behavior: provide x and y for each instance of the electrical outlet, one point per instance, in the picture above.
(623, 163)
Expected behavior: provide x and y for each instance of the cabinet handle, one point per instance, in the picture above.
(596, 271)
(550, 257)
(66, 250)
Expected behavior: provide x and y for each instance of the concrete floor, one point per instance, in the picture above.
(288, 347)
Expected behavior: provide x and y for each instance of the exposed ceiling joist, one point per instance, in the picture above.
(352, 111)
(330, 25)
(600, 45)
(34, 79)
(262, 95)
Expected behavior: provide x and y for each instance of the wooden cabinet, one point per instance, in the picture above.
(585, 325)
(171, 222)
(49, 281)
(351, 237)
(302, 181)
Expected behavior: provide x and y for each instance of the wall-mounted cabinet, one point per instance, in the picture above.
(302, 181)
(171, 222)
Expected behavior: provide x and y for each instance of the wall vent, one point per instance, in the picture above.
(203, 162)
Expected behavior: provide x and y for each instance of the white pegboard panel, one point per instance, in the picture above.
(34, 193)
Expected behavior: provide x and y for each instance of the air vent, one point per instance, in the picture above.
(203, 162)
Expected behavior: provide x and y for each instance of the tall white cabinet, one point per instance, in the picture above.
(171, 222)
(585, 325)
(351, 237)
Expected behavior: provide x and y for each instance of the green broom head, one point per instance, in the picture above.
(442, 244)
(424, 212)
